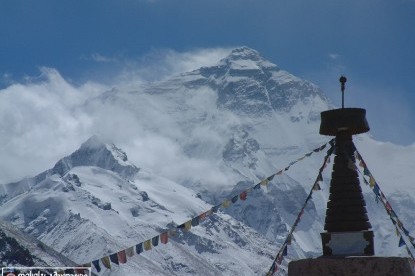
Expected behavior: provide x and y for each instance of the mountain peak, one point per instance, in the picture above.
(245, 58)
(244, 52)
(94, 152)
(93, 142)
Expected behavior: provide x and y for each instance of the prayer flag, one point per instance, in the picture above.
(96, 265)
(372, 182)
(388, 206)
(215, 208)
(202, 216)
(279, 173)
(195, 221)
(309, 154)
(322, 147)
(139, 248)
(130, 251)
(235, 199)
(401, 242)
(155, 240)
(320, 177)
(122, 257)
(106, 262)
(285, 252)
(316, 187)
(164, 238)
(243, 195)
(147, 245)
(226, 203)
(114, 258)
(188, 225)
(279, 259)
(366, 171)
(270, 178)
(376, 189)
(264, 182)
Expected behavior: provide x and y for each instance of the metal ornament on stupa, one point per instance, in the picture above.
(347, 224)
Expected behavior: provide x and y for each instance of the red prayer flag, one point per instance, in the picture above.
(243, 195)
(202, 216)
(164, 238)
(122, 258)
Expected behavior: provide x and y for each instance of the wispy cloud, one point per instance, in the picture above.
(96, 57)
(162, 64)
(333, 56)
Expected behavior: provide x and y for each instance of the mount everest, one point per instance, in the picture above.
(201, 137)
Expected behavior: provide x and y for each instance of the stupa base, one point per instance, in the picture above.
(352, 266)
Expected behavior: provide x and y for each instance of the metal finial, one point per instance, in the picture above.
(343, 80)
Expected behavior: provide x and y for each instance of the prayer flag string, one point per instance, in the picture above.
(316, 187)
(121, 257)
(380, 196)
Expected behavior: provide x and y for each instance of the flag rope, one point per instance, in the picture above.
(380, 196)
(316, 187)
(121, 256)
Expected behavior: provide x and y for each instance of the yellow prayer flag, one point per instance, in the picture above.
(264, 182)
(372, 182)
(106, 262)
(226, 203)
(147, 245)
(188, 225)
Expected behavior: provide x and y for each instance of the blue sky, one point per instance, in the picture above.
(372, 42)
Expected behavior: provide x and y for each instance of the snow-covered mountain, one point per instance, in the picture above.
(21, 249)
(202, 137)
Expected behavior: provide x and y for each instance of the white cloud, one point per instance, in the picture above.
(47, 117)
(333, 56)
(41, 122)
(99, 58)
